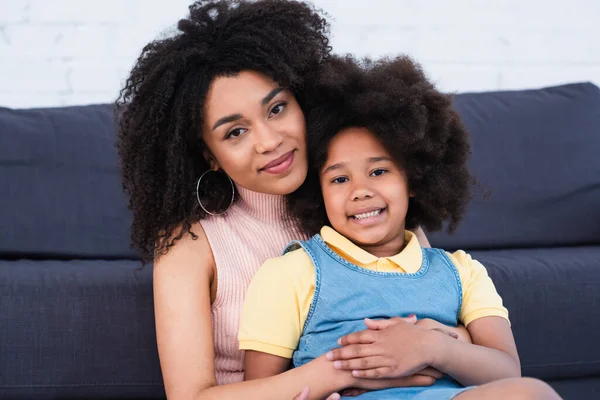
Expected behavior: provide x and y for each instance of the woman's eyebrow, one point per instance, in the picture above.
(226, 119)
(230, 118)
(271, 94)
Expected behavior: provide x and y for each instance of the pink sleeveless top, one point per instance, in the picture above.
(253, 230)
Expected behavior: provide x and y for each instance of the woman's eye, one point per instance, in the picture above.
(340, 179)
(235, 133)
(278, 109)
(378, 172)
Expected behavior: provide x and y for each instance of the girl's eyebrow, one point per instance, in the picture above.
(379, 159)
(333, 167)
(371, 160)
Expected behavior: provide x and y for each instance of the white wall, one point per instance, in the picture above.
(58, 52)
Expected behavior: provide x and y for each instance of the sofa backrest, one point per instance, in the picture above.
(60, 191)
(535, 151)
(537, 154)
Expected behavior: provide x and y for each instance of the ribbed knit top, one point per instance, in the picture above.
(252, 230)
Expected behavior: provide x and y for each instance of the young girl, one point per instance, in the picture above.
(389, 153)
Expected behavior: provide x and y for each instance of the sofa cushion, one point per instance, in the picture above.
(578, 389)
(61, 190)
(536, 154)
(553, 298)
(77, 329)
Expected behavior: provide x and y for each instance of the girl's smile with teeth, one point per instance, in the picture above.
(373, 213)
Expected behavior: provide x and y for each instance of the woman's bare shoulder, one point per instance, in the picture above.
(183, 277)
(192, 249)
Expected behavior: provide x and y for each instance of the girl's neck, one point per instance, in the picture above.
(388, 249)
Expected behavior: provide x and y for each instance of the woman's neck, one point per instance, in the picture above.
(262, 206)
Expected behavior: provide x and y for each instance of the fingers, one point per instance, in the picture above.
(432, 372)
(362, 337)
(407, 381)
(447, 332)
(352, 351)
(361, 363)
(386, 323)
(427, 323)
(381, 372)
(422, 380)
(353, 392)
(413, 380)
(303, 395)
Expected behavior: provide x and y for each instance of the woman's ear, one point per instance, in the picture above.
(211, 160)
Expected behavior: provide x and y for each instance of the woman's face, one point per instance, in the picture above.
(255, 132)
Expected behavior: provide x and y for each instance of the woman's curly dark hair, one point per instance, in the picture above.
(416, 123)
(160, 108)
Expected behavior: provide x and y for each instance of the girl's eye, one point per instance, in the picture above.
(378, 172)
(340, 179)
(278, 109)
(234, 133)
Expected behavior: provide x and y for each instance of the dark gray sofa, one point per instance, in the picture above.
(76, 315)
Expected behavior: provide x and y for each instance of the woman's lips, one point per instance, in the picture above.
(280, 164)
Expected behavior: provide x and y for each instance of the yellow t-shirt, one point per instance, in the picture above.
(280, 295)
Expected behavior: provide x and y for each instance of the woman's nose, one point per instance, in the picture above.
(267, 138)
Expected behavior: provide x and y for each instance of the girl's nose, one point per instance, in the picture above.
(361, 192)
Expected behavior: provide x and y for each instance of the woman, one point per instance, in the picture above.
(212, 121)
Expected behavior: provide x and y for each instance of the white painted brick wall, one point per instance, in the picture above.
(60, 52)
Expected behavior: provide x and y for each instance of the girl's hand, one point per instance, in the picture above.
(386, 383)
(305, 395)
(398, 349)
(460, 332)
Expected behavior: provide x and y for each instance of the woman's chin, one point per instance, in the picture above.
(287, 184)
(282, 186)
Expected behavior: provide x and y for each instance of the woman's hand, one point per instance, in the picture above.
(395, 348)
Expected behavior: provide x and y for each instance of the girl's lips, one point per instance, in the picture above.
(279, 165)
(370, 220)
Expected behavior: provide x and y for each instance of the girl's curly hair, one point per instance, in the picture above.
(160, 108)
(416, 123)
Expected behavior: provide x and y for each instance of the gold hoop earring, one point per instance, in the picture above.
(198, 192)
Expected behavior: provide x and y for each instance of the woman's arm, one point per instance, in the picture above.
(423, 241)
(492, 356)
(182, 283)
(182, 301)
(262, 365)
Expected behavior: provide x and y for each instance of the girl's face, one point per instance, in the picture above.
(255, 131)
(366, 194)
